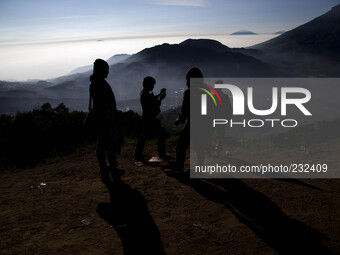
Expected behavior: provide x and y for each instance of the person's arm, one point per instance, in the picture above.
(161, 94)
(90, 102)
(91, 97)
(185, 110)
(150, 104)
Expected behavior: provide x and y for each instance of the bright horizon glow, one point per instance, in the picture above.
(39, 60)
(42, 39)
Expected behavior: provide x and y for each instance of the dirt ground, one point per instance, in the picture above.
(63, 208)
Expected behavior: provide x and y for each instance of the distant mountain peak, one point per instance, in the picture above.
(243, 32)
(206, 43)
(111, 61)
(117, 58)
(319, 36)
(309, 49)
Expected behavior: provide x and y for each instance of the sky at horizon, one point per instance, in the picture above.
(42, 39)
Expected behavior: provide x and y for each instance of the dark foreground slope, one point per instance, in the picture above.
(63, 208)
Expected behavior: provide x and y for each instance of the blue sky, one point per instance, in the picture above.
(32, 22)
(66, 19)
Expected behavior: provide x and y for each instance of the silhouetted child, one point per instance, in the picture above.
(151, 125)
(105, 115)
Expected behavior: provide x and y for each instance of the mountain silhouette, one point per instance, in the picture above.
(213, 58)
(219, 47)
(310, 49)
(244, 32)
(167, 63)
(111, 61)
(206, 43)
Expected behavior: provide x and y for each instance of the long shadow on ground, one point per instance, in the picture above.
(129, 215)
(261, 215)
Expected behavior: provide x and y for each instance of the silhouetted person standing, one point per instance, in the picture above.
(226, 112)
(105, 115)
(151, 125)
(184, 117)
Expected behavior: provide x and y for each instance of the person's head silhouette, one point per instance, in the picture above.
(100, 68)
(193, 72)
(149, 83)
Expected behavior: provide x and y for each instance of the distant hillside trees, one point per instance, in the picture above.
(29, 138)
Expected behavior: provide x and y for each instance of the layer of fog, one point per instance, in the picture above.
(50, 60)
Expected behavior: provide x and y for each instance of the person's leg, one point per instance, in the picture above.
(140, 145)
(112, 158)
(101, 156)
(161, 138)
(200, 156)
(104, 169)
(141, 141)
(182, 145)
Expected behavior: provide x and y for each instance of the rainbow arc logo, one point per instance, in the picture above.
(209, 93)
(204, 98)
